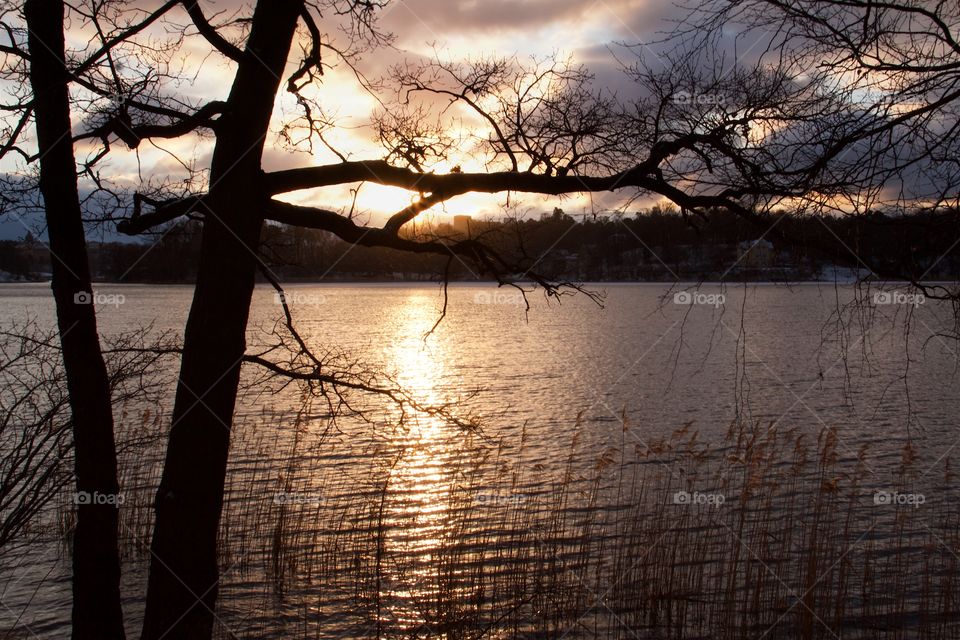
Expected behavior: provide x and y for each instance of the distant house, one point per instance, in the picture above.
(461, 225)
(755, 253)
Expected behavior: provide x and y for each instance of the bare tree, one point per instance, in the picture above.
(865, 113)
(548, 132)
(96, 563)
(39, 74)
(763, 136)
(34, 428)
(36, 447)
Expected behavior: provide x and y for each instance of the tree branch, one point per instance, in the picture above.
(209, 32)
(163, 212)
(381, 172)
(132, 135)
(128, 33)
(401, 218)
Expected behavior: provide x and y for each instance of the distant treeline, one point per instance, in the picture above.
(654, 245)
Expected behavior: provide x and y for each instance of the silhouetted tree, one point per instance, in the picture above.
(96, 563)
(771, 139)
(866, 110)
(548, 133)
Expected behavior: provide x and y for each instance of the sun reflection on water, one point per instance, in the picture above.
(417, 504)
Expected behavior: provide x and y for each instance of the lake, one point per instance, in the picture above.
(752, 426)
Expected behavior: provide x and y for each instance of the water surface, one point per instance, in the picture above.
(563, 389)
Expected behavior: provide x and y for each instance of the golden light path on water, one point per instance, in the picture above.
(418, 486)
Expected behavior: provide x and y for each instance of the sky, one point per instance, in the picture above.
(602, 35)
(588, 32)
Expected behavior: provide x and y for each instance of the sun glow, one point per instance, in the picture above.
(418, 486)
(379, 202)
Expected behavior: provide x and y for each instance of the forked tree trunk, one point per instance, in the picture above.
(96, 565)
(183, 583)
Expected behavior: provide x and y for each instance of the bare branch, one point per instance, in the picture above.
(210, 32)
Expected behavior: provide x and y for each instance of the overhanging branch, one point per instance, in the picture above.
(210, 33)
(132, 135)
(163, 212)
(381, 172)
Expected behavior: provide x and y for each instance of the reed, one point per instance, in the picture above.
(398, 534)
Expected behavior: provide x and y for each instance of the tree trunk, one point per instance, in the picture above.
(96, 565)
(183, 584)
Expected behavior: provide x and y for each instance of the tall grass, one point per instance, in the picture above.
(495, 539)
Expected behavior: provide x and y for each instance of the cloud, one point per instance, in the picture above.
(591, 31)
(419, 17)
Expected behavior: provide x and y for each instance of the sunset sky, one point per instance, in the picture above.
(583, 30)
(601, 35)
(586, 32)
